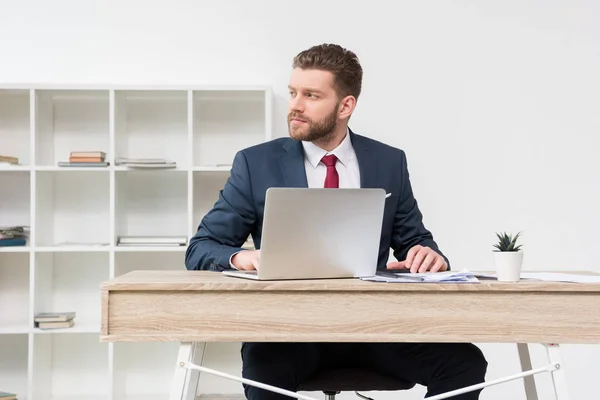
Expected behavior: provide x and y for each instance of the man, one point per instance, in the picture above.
(323, 152)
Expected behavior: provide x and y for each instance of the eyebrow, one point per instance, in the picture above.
(307, 90)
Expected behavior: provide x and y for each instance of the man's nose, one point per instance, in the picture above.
(296, 104)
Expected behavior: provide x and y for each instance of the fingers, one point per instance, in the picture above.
(427, 262)
(245, 267)
(411, 255)
(254, 258)
(246, 260)
(418, 258)
(396, 265)
(423, 259)
(440, 265)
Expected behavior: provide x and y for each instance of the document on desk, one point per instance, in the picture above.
(463, 276)
(552, 277)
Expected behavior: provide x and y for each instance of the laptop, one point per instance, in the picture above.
(317, 233)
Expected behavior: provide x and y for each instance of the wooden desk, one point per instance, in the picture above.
(197, 306)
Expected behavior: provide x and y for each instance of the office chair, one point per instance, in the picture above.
(333, 381)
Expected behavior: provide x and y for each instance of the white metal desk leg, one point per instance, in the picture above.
(185, 380)
(559, 379)
(528, 381)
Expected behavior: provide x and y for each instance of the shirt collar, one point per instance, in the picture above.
(314, 153)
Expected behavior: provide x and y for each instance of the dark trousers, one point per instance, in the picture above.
(440, 367)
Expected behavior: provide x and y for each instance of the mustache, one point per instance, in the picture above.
(293, 115)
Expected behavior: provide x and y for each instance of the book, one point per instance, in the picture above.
(145, 162)
(86, 159)
(14, 231)
(9, 159)
(55, 325)
(83, 164)
(100, 154)
(125, 160)
(7, 396)
(54, 316)
(54, 320)
(19, 241)
(151, 240)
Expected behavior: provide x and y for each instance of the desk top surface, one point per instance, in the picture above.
(169, 280)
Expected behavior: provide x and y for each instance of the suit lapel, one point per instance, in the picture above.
(291, 163)
(293, 171)
(368, 163)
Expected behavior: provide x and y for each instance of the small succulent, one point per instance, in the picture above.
(507, 242)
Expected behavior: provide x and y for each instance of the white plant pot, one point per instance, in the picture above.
(508, 265)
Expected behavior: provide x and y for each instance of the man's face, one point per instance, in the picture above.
(313, 106)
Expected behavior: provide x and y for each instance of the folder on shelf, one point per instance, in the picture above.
(13, 242)
(13, 236)
(9, 160)
(151, 241)
(145, 162)
(54, 320)
(54, 316)
(83, 164)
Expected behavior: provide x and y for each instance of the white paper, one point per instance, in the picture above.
(425, 277)
(560, 277)
(552, 277)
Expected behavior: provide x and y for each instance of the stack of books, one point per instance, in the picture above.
(151, 241)
(8, 160)
(85, 159)
(14, 236)
(7, 396)
(54, 320)
(153, 163)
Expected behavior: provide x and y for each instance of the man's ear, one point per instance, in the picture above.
(347, 106)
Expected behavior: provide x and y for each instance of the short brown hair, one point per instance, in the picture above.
(342, 63)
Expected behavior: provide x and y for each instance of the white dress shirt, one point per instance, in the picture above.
(316, 171)
(347, 165)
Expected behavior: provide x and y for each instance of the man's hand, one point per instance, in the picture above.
(421, 259)
(246, 260)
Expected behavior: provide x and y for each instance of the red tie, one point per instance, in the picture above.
(332, 178)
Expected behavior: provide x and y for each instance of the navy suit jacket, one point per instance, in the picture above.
(239, 210)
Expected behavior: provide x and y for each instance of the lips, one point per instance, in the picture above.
(296, 119)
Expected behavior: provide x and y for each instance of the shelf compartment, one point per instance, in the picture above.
(15, 130)
(206, 192)
(13, 364)
(70, 366)
(225, 122)
(143, 370)
(72, 207)
(151, 203)
(154, 261)
(14, 293)
(71, 120)
(15, 203)
(151, 249)
(152, 124)
(67, 282)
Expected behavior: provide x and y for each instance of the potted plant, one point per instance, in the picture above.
(508, 257)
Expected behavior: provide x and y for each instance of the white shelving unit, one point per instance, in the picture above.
(76, 215)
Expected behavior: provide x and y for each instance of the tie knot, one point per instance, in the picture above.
(329, 160)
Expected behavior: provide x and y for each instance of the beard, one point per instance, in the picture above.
(313, 131)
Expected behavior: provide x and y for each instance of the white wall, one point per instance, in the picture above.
(495, 102)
